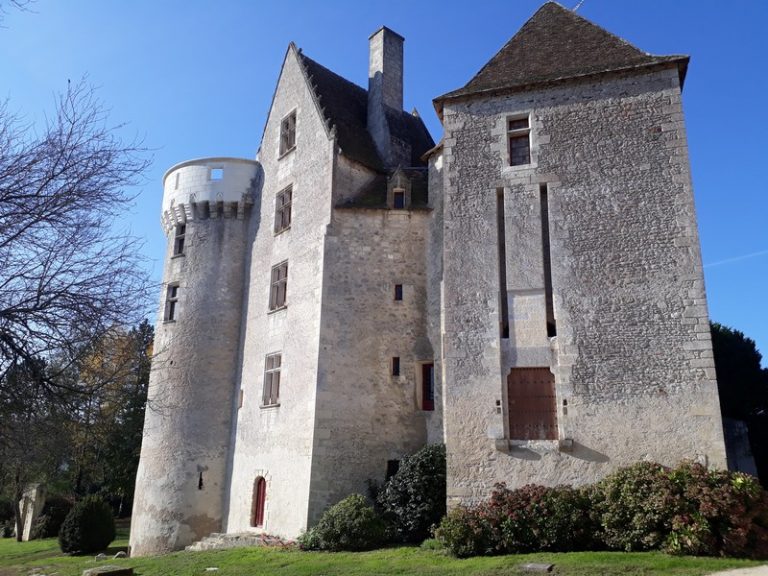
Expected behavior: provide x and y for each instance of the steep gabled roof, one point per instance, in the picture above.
(556, 44)
(345, 109)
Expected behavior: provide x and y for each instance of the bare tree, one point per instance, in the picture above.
(66, 276)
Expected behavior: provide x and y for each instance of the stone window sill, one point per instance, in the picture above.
(269, 406)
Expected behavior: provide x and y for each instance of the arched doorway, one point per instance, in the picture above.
(259, 497)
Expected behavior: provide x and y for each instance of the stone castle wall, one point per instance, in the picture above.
(365, 415)
(632, 357)
(182, 473)
(276, 442)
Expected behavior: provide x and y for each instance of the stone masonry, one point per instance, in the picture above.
(357, 292)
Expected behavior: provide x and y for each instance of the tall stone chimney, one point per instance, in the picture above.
(385, 90)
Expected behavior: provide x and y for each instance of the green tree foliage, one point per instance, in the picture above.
(89, 527)
(413, 500)
(743, 388)
(742, 383)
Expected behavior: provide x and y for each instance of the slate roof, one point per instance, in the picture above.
(345, 107)
(556, 44)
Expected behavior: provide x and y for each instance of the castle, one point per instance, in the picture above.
(528, 291)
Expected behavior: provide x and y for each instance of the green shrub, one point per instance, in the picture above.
(721, 514)
(541, 518)
(89, 527)
(635, 506)
(432, 544)
(465, 532)
(352, 524)
(413, 500)
(54, 512)
(531, 518)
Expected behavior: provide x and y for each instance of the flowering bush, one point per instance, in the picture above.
(523, 520)
(646, 506)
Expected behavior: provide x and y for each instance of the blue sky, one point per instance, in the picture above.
(195, 78)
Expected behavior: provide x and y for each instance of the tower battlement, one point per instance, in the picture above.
(208, 188)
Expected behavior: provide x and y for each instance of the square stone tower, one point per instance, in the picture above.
(575, 328)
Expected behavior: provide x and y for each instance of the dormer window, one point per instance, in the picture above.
(398, 198)
(288, 133)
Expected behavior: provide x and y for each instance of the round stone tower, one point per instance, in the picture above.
(182, 474)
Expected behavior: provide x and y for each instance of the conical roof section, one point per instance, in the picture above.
(555, 44)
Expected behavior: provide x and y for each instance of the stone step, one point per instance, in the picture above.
(218, 541)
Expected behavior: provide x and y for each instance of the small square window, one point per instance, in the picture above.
(278, 286)
(272, 365)
(392, 467)
(288, 133)
(519, 138)
(171, 302)
(396, 366)
(217, 173)
(283, 209)
(178, 239)
(398, 292)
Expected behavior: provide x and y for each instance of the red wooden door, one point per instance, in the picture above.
(532, 405)
(259, 497)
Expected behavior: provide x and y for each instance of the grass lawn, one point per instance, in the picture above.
(42, 557)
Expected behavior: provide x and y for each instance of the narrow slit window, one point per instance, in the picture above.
(502, 253)
(519, 138)
(398, 292)
(396, 366)
(178, 239)
(288, 133)
(278, 286)
(547, 262)
(171, 302)
(428, 387)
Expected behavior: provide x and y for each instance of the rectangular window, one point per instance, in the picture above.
(272, 380)
(428, 386)
(398, 292)
(279, 286)
(217, 173)
(288, 133)
(519, 137)
(171, 301)
(178, 239)
(531, 400)
(396, 366)
(283, 209)
(398, 199)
